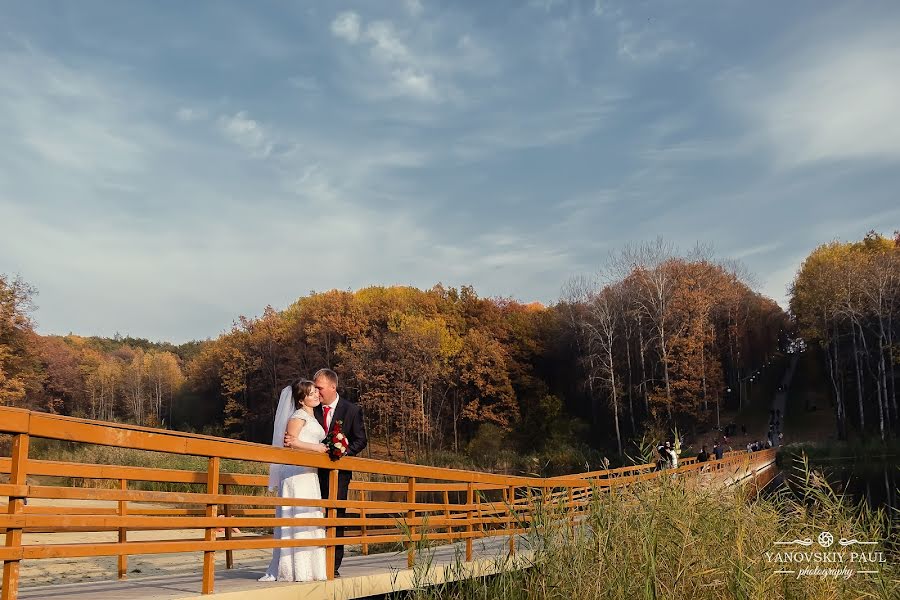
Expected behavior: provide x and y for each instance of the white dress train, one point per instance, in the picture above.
(304, 563)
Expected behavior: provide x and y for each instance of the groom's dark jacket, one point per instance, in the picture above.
(351, 417)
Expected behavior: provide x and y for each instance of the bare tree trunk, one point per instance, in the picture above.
(859, 388)
(455, 428)
(615, 399)
(630, 388)
(882, 376)
(665, 363)
(387, 435)
(424, 422)
(832, 372)
(893, 380)
(703, 369)
(595, 408)
(643, 368)
(878, 396)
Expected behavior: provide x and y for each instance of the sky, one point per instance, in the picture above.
(168, 166)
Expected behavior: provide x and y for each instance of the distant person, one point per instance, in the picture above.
(663, 459)
(718, 452)
(703, 456)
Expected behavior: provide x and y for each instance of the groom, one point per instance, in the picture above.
(333, 408)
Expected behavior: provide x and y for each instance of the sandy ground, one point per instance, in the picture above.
(72, 570)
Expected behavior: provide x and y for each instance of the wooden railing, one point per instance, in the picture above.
(423, 503)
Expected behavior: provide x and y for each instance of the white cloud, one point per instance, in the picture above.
(70, 119)
(414, 7)
(415, 83)
(556, 126)
(386, 45)
(187, 115)
(304, 83)
(835, 101)
(421, 64)
(246, 132)
(346, 26)
(645, 45)
(743, 253)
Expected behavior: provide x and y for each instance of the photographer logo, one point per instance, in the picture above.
(848, 558)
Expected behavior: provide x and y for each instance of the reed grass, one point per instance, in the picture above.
(672, 538)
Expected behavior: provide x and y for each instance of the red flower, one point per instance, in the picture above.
(336, 441)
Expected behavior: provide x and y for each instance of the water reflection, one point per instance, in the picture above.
(877, 482)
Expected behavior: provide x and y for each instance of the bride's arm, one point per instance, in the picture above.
(292, 432)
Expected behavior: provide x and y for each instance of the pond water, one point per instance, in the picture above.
(876, 481)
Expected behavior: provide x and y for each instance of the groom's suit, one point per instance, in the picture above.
(352, 425)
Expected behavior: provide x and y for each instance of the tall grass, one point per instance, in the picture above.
(674, 539)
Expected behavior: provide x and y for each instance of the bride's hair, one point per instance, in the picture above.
(301, 389)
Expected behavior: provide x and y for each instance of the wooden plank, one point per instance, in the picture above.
(129, 436)
(201, 545)
(377, 486)
(60, 493)
(14, 420)
(135, 523)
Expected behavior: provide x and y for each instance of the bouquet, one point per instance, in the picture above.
(336, 441)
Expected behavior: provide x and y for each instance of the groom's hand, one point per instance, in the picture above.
(289, 440)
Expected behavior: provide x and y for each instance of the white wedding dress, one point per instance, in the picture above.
(299, 563)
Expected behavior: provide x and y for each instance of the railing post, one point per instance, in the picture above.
(123, 535)
(226, 509)
(209, 556)
(569, 510)
(331, 530)
(480, 517)
(411, 514)
(363, 528)
(16, 506)
(447, 514)
(514, 522)
(470, 514)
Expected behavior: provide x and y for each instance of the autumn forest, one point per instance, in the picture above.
(657, 339)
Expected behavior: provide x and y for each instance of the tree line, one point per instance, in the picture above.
(655, 342)
(662, 339)
(846, 301)
(119, 379)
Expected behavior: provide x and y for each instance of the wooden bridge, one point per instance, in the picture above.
(478, 519)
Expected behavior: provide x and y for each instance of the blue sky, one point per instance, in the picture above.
(167, 166)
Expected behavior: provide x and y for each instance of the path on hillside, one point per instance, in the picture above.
(780, 400)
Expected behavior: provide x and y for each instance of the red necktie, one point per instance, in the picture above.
(326, 410)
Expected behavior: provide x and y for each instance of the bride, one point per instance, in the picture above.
(295, 416)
